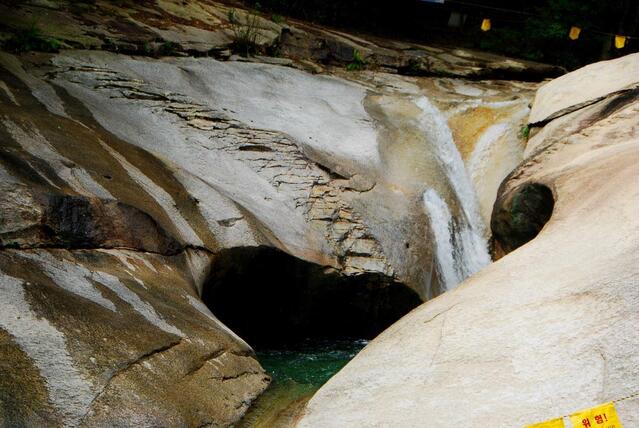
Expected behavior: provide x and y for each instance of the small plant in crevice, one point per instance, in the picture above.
(278, 19)
(146, 49)
(414, 66)
(168, 48)
(245, 32)
(358, 62)
(524, 132)
(31, 39)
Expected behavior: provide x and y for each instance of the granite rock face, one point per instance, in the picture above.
(548, 329)
(227, 154)
(116, 338)
(126, 179)
(569, 93)
(162, 159)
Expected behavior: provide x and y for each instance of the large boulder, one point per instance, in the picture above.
(549, 329)
(198, 145)
(568, 93)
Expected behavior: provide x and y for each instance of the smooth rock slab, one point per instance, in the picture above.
(549, 329)
(584, 86)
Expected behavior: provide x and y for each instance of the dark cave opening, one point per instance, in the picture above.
(519, 219)
(270, 298)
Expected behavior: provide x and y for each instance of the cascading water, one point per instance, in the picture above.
(461, 248)
(441, 222)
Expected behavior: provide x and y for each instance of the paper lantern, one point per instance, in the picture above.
(574, 33)
(620, 42)
(485, 25)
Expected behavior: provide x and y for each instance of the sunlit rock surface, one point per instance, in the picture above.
(550, 328)
(568, 93)
(126, 177)
(237, 154)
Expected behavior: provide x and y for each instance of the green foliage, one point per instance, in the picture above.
(358, 62)
(543, 35)
(31, 39)
(539, 32)
(414, 65)
(278, 19)
(168, 49)
(524, 132)
(245, 32)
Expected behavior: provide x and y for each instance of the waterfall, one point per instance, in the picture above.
(441, 223)
(460, 246)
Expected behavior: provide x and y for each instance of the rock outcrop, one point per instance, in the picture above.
(231, 154)
(550, 328)
(126, 179)
(115, 338)
(210, 28)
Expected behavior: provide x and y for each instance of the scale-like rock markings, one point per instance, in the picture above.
(314, 191)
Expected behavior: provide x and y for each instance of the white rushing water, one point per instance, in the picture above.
(460, 246)
(441, 222)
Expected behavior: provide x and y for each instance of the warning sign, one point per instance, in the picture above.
(554, 423)
(604, 416)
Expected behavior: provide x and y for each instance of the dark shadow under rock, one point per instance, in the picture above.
(519, 216)
(269, 297)
(76, 222)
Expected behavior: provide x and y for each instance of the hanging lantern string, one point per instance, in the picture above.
(521, 12)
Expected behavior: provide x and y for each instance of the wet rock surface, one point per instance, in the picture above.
(548, 329)
(67, 221)
(128, 181)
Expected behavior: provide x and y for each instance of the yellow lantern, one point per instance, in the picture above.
(620, 42)
(574, 33)
(485, 24)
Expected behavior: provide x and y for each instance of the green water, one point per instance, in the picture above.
(297, 372)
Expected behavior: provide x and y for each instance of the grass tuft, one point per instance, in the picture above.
(31, 39)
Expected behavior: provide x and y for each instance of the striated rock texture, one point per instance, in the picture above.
(115, 338)
(135, 186)
(230, 154)
(550, 328)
